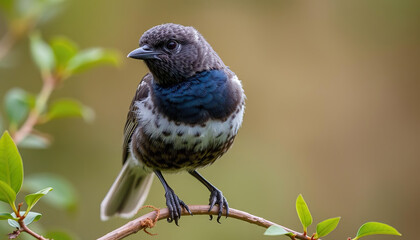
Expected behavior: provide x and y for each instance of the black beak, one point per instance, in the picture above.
(144, 52)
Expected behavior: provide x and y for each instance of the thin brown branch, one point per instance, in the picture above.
(26, 128)
(25, 228)
(140, 223)
(33, 117)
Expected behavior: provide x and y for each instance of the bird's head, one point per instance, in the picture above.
(173, 53)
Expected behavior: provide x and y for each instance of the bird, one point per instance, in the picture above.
(185, 115)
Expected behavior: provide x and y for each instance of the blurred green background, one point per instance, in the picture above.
(333, 112)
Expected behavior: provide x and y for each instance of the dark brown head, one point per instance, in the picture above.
(173, 53)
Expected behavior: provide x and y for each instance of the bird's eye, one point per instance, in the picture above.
(171, 45)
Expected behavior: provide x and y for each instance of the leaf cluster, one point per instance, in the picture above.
(327, 226)
(11, 179)
(57, 60)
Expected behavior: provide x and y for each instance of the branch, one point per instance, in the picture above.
(141, 222)
(25, 228)
(27, 127)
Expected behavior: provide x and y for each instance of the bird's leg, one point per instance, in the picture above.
(174, 204)
(216, 196)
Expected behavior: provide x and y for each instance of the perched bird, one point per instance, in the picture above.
(185, 115)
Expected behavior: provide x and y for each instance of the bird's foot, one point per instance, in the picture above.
(175, 206)
(216, 197)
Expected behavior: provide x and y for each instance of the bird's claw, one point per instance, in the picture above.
(216, 197)
(175, 206)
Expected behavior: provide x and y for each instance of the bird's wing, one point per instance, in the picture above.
(131, 124)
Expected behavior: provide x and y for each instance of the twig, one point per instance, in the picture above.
(33, 117)
(138, 224)
(25, 228)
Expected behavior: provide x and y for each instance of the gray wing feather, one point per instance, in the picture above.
(131, 124)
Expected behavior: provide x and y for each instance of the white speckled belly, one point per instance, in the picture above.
(213, 132)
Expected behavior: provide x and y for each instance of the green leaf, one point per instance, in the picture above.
(64, 49)
(374, 228)
(7, 194)
(325, 227)
(30, 218)
(13, 223)
(33, 198)
(64, 195)
(90, 58)
(5, 216)
(69, 108)
(59, 235)
(35, 141)
(302, 209)
(17, 103)
(10, 163)
(42, 53)
(275, 230)
(6, 5)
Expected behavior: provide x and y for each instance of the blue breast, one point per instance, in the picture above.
(206, 95)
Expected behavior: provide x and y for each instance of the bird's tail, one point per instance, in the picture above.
(128, 192)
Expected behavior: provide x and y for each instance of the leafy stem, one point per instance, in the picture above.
(49, 83)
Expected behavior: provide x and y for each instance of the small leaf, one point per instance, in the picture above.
(91, 57)
(69, 108)
(325, 227)
(64, 195)
(61, 235)
(17, 103)
(42, 53)
(35, 141)
(12, 222)
(5, 216)
(64, 50)
(374, 228)
(275, 230)
(303, 212)
(10, 163)
(30, 218)
(7, 194)
(33, 198)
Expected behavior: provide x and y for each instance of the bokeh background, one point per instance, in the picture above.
(333, 112)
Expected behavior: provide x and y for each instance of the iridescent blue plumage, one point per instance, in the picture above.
(204, 95)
